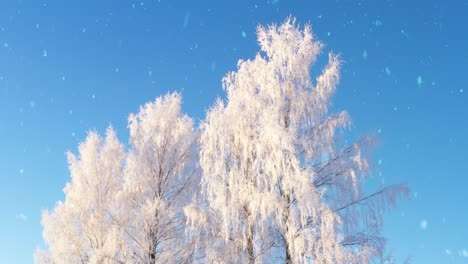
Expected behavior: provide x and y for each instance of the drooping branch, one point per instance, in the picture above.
(391, 190)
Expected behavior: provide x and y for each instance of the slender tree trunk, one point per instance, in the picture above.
(288, 255)
(250, 237)
(154, 238)
(250, 246)
(287, 197)
(250, 234)
(152, 251)
(287, 248)
(152, 257)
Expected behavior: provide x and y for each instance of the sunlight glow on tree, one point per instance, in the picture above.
(274, 171)
(269, 177)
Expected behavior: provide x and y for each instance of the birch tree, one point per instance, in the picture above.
(280, 181)
(80, 229)
(132, 213)
(159, 180)
(277, 179)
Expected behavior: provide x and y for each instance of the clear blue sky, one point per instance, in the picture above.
(70, 66)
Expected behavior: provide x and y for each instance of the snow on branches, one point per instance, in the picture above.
(266, 177)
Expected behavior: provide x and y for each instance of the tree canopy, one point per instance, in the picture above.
(268, 176)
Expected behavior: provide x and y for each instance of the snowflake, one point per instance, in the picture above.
(419, 80)
(387, 71)
(423, 224)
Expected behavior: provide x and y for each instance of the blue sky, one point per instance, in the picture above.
(70, 66)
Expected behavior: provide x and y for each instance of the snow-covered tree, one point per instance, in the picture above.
(127, 207)
(80, 229)
(278, 183)
(159, 180)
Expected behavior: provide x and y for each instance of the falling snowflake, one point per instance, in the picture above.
(464, 253)
(22, 217)
(364, 54)
(403, 32)
(423, 224)
(387, 71)
(186, 19)
(419, 80)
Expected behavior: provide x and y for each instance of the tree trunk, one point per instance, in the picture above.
(250, 251)
(288, 259)
(152, 251)
(250, 244)
(287, 197)
(152, 258)
(287, 249)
